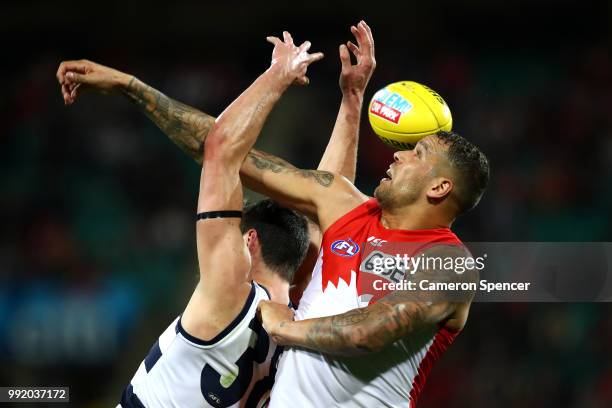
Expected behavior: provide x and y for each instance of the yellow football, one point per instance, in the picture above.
(404, 112)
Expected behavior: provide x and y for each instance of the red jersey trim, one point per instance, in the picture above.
(444, 338)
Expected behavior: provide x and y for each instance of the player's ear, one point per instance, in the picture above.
(251, 238)
(439, 188)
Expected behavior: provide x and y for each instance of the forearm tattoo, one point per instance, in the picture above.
(187, 127)
(351, 333)
(395, 316)
(265, 161)
(350, 318)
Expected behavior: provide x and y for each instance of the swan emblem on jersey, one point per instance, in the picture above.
(345, 247)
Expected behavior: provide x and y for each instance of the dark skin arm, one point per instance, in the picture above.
(341, 153)
(187, 127)
(397, 315)
(261, 172)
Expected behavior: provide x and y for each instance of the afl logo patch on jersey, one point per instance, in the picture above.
(345, 247)
(215, 398)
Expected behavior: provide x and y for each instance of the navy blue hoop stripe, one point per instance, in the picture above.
(154, 355)
(129, 399)
(218, 214)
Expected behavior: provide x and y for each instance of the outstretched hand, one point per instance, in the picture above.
(292, 61)
(74, 76)
(354, 78)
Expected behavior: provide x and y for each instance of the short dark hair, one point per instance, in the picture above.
(282, 234)
(470, 165)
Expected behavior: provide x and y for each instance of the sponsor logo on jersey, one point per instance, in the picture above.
(370, 277)
(345, 247)
(389, 105)
(377, 242)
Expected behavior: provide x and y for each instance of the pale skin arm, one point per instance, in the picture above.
(227, 144)
(222, 254)
(372, 328)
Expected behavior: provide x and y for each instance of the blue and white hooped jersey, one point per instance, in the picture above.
(234, 369)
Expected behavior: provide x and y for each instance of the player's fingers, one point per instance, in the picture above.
(273, 40)
(65, 94)
(302, 80)
(369, 38)
(75, 78)
(345, 58)
(60, 73)
(304, 47)
(367, 27)
(314, 57)
(287, 37)
(260, 306)
(354, 49)
(75, 92)
(74, 66)
(368, 32)
(359, 34)
(366, 41)
(68, 93)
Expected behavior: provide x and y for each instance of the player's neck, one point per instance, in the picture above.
(277, 286)
(414, 217)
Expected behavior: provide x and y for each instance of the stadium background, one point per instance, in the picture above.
(97, 249)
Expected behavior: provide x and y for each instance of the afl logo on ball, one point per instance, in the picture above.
(346, 248)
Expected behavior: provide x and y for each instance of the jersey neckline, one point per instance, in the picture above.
(421, 231)
(224, 332)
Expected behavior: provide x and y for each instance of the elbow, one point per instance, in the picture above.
(216, 139)
(218, 146)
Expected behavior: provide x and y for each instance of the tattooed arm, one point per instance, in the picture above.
(188, 127)
(395, 316)
(322, 195)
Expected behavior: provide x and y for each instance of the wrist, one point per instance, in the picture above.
(353, 95)
(283, 333)
(122, 80)
(280, 80)
(351, 104)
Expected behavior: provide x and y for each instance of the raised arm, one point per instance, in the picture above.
(226, 147)
(222, 254)
(311, 191)
(400, 314)
(341, 153)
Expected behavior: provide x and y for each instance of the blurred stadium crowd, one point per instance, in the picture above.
(97, 250)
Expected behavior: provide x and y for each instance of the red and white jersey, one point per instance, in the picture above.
(343, 280)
